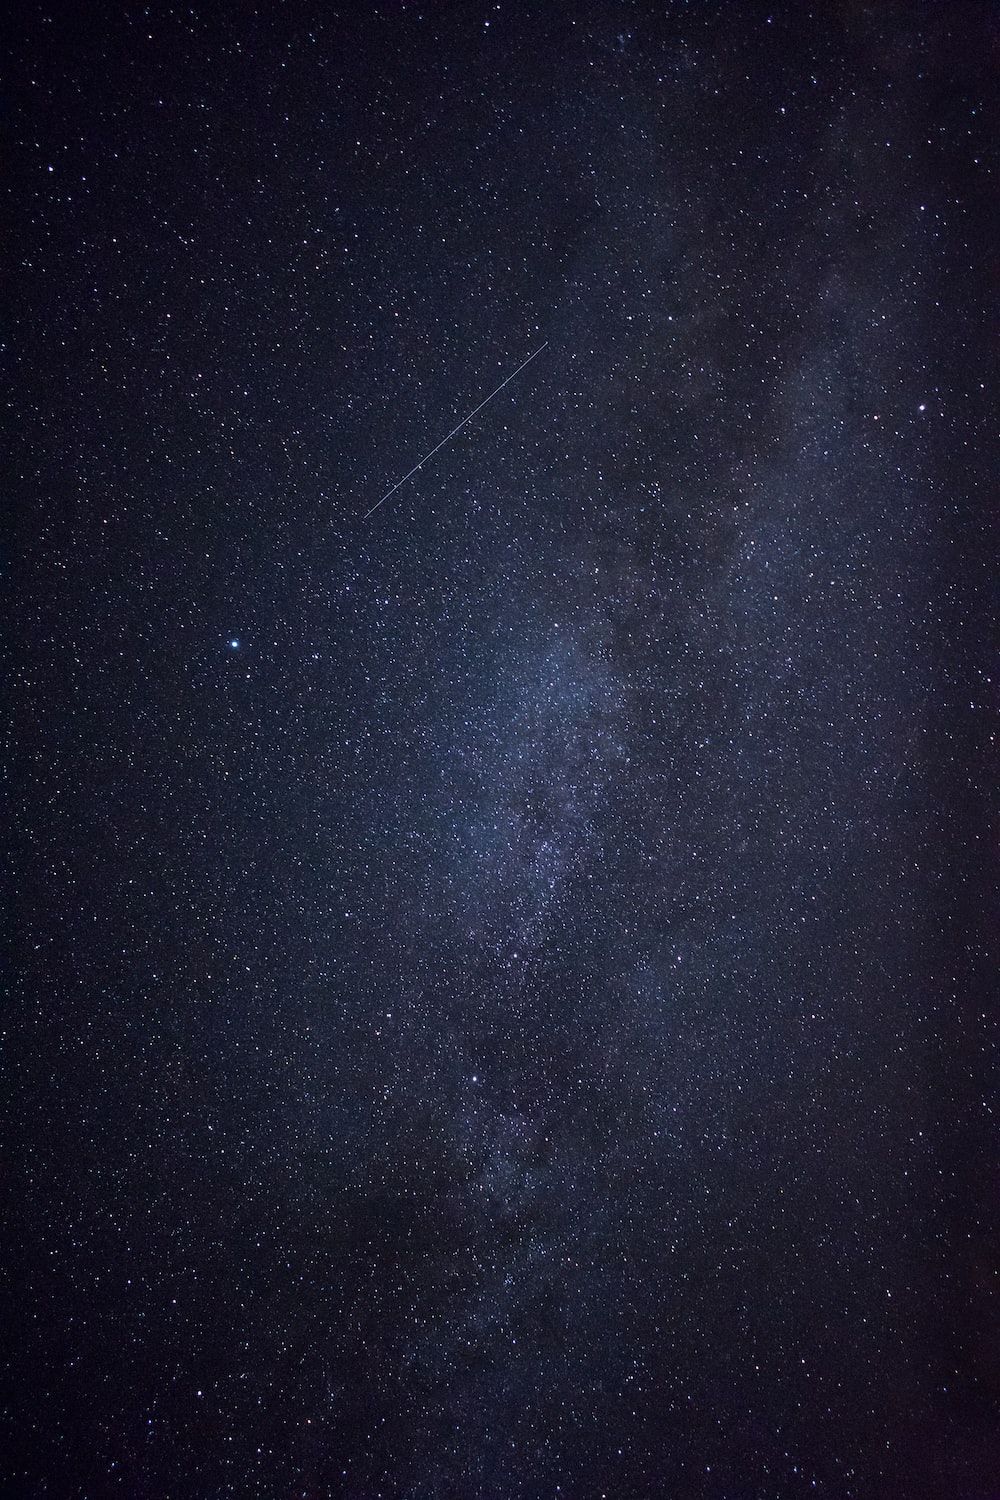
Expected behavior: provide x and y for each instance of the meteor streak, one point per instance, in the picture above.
(453, 431)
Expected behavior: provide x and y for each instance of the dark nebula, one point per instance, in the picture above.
(504, 986)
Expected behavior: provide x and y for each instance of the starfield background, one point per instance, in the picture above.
(504, 984)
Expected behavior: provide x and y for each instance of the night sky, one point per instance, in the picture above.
(505, 982)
